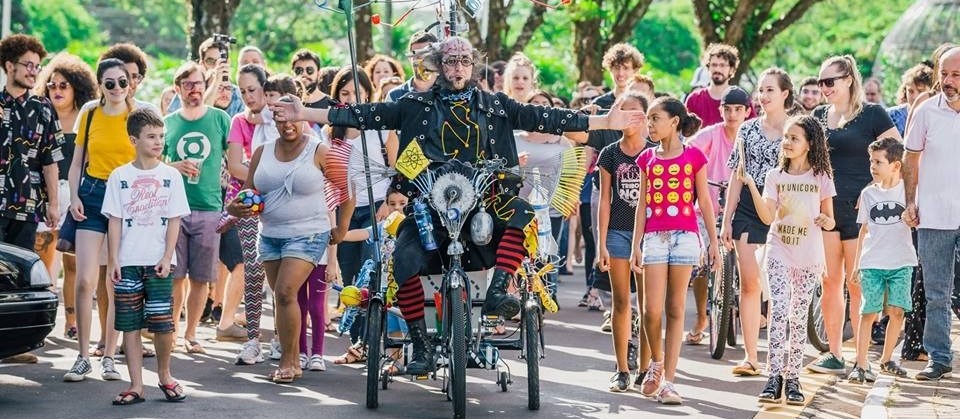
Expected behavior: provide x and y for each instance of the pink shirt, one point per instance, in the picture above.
(671, 189)
(241, 132)
(715, 145)
(708, 108)
(933, 132)
(794, 239)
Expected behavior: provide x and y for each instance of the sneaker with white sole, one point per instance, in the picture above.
(250, 353)
(317, 364)
(81, 367)
(108, 370)
(668, 395)
(304, 360)
(275, 351)
(652, 380)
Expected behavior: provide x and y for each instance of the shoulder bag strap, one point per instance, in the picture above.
(86, 142)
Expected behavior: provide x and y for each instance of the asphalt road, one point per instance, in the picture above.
(574, 380)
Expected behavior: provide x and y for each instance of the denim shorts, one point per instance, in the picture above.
(308, 247)
(91, 192)
(619, 243)
(674, 247)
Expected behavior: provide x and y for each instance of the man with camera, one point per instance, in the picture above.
(213, 53)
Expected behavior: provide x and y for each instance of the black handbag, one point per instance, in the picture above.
(66, 240)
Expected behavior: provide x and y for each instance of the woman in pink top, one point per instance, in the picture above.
(797, 203)
(240, 146)
(673, 177)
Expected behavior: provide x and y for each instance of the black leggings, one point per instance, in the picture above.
(590, 245)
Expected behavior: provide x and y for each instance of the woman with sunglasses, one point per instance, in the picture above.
(69, 83)
(851, 125)
(102, 133)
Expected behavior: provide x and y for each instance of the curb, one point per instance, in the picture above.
(875, 405)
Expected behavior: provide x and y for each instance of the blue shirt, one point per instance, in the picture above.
(899, 116)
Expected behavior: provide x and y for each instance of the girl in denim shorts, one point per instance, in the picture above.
(674, 180)
(619, 194)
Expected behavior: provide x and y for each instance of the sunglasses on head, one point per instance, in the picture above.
(58, 86)
(300, 70)
(830, 81)
(110, 84)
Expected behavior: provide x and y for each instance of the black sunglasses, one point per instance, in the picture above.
(299, 70)
(830, 81)
(110, 84)
(55, 86)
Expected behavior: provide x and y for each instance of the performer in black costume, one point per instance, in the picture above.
(456, 120)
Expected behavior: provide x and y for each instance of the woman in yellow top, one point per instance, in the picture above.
(107, 147)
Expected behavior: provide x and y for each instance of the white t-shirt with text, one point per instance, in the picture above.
(144, 201)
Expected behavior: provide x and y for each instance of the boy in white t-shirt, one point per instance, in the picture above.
(886, 258)
(144, 201)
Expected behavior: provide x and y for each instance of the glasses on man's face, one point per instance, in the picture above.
(226, 88)
(31, 67)
(300, 70)
(830, 81)
(58, 86)
(190, 85)
(210, 61)
(110, 84)
(453, 61)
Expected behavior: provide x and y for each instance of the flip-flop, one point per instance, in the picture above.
(694, 338)
(354, 354)
(746, 369)
(98, 352)
(282, 376)
(173, 392)
(123, 401)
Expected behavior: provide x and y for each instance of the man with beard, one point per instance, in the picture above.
(422, 78)
(306, 67)
(933, 205)
(210, 61)
(30, 131)
(195, 143)
(810, 96)
(721, 61)
(456, 120)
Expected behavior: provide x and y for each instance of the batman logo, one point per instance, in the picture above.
(887, 213)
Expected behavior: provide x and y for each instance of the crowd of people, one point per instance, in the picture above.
(824, 186)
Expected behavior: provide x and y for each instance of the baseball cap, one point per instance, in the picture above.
(735, 96)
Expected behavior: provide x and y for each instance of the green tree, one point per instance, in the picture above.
(748, 25)
(598, 25)
(58, 24)
(500, 42)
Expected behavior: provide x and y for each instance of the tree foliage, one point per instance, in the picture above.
(598, 25)
(500, 41)
(748, 25)
(57, 24)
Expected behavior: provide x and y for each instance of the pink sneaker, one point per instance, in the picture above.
(669, 395)
(651, 383)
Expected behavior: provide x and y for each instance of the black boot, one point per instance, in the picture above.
(773, 392)
(794, 395)
(422, 360)
(498, 301)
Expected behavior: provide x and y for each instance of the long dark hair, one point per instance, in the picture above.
(343, 77)
(819, 154)
(790, 104)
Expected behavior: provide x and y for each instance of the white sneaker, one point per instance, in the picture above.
(250, 354)
(317, 364)
(81, 367)
(108, 369)
(275, 351)
(304, 360)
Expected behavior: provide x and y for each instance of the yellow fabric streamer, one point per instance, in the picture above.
(530, 237)
(412, 161)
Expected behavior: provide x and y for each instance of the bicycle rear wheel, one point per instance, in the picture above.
(721, 301)
(816, 332)
(374, 341)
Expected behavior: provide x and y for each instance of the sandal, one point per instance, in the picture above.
(123, 400)
(193, 347)
(99, 351)
(356, 353)
(746, 369)
(330, 327)
(694, 338)
(283, 376)
(395, 368)
(173, 392)
(149, 353)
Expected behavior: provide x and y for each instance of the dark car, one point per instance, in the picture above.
(28, 309)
